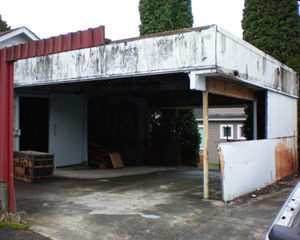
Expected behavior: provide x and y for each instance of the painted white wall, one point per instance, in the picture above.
(209, 50)
(281, 115)
(152, 55)
(68, 129)
(253, 65)
(249, 165)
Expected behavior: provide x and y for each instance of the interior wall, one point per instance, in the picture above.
(119, 124)
(67, 135)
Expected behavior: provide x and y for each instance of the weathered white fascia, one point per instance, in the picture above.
(197, 79)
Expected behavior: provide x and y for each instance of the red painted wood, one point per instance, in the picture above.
(67, 42)
(24, 50)
(57, 44)
(17, 52)
(98, 36)
(10, 54)
(76, 40)
(10, 96)
(87, 38)
(32, 49)
(49, 46)
(41, 47)
(3, 117)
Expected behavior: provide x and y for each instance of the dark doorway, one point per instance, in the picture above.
(34, 123)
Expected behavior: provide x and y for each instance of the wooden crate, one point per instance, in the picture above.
(31, 166)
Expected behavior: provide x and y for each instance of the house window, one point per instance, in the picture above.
(226, 132)
(240, 132)
(201, 131)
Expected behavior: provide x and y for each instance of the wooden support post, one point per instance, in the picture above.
(205, 138)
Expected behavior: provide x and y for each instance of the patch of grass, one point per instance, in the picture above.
(13, 225)
(214, 166)
(2, 224)
(211, 193)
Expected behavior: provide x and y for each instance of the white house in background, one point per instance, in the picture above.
(225, 125)
(17, 36)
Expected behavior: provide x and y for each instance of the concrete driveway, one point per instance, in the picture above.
(141, 203)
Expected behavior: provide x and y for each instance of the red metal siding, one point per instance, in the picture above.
(72, 41)
(6, 124)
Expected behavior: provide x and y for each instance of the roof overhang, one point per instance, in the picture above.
(19, 31)
(200, 52)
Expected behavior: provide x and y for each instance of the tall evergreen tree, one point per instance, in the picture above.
(177, 126)
(181, 14)
(155, 16)
(3, 25)
(273, 26)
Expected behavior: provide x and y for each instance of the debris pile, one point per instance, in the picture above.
(287, 182)
(98, 156)
(11, 217)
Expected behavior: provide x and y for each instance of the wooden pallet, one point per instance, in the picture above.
(32, 167)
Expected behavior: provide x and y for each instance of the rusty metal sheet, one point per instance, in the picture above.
(285, 157)
(249, 165)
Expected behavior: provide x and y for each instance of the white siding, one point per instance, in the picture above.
(227, 110)
(214, 138)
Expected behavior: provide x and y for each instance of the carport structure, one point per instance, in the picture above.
(185, 68)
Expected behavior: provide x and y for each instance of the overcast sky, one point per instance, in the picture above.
(120, 17)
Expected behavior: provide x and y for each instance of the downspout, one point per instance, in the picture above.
(10, 79)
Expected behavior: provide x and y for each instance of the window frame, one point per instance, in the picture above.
(239, 132)
(222, 126)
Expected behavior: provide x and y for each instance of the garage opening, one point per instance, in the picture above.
(34, 124)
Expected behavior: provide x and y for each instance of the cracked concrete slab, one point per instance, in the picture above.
(164, 204)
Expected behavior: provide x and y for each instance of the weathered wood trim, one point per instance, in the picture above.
(205, 138)
(230, 89)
